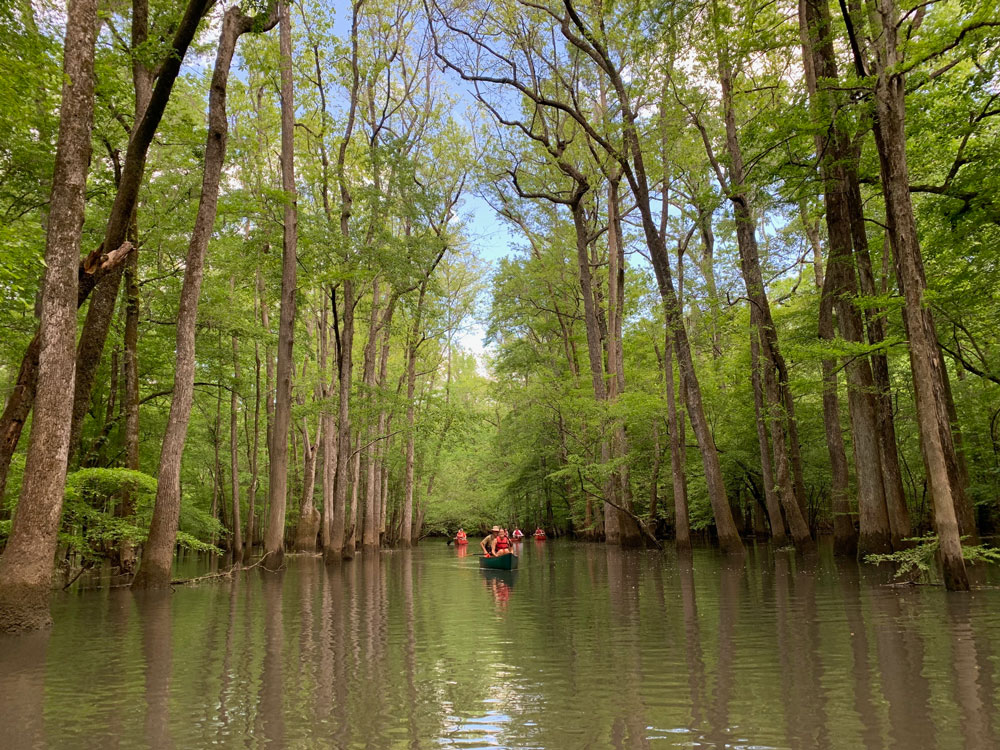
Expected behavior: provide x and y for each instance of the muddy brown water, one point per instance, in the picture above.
(582, 647)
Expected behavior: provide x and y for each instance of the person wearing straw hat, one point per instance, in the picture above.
(489, 543)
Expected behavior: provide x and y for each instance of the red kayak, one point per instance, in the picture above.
(459, 541)
(540, 535)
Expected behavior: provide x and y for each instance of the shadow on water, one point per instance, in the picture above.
(583, 646)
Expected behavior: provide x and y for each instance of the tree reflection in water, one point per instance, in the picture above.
(583, 646)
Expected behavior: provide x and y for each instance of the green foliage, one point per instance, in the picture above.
(919, 560)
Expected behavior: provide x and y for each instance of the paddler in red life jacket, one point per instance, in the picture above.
(488, 543)
(502, 544)
(518, 534)
(460, 536)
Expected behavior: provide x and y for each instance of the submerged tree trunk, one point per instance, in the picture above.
(274, 543)
(27, 562)
(155, 566)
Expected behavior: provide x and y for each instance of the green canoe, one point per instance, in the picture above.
(504, 562)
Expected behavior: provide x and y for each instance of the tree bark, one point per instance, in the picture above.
(155, 566)
(27, 562)
(274, 544)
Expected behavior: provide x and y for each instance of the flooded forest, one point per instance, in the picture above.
(702, 291)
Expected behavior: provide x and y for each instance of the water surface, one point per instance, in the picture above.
(582, 647)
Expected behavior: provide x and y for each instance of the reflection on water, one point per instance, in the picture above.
(583, 646)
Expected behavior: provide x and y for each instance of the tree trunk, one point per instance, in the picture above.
(845, 537)
(629, 533)
(234, 456)
(775, 376)
(309, 518)
(892, 475)
(142, 82)
(405, 537)
(27, 562)
(729, 538)
(154, 568)
(369, 535)
(881, 525)
(274, 544)
(253, 447)
(346, 365)
(771, 502)
(350, 543)
(682, 526)
(130, 401)
(925, 360)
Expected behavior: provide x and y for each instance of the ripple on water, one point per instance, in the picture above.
(582, 647)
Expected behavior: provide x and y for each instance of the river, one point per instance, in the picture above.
(582, 647)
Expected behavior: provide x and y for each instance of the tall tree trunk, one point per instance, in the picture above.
(595, 358)
(234, 456)
(845, 537)
(350, 543)
(629, 533)
(345, 356)
(925, 362)
(775, 374)
(274, 544)
(405, 537)
(27, 562)
(130, 402)
(878, 532)
(344, 444)
(253, 447)
(154, 568)
(771, 502)
(682, 526)
(369, 535)
(219, 475)
(892, 475)
(309, 517)
(632, 161)
(142, 82)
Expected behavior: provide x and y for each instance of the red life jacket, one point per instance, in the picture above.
(502, 543)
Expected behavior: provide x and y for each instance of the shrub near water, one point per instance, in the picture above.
(91, 530)
(919, 562)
